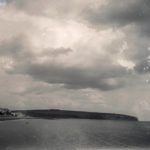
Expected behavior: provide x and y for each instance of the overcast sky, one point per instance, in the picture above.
(91, 55)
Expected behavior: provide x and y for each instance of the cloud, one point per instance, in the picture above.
(97, 13)
(143, 66)
(120, 13)
(46, 66)
(76, 55)
(131, 17)
(69, 53)
(73, 77)
(62, 9)
(58, 51)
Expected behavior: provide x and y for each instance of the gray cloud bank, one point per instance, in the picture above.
(102, 75)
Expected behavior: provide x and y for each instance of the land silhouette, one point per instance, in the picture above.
(64, 114)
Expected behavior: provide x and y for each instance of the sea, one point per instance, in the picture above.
(74, 134)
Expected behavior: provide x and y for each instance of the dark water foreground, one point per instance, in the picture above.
(74, 134)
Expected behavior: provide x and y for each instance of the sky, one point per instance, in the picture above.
(90, 55)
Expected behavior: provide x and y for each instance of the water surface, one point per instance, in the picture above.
(74, 134)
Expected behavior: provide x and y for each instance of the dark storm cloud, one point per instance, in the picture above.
(143, 66)
(76, 77)
(102, 75)
(120, 13)
(115, 13)
(132, 13)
